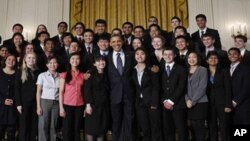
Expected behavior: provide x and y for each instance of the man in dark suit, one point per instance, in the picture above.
(208, 41)
(16, 28)
(181, 44)
(174, 83)
(201, 21)
(79, 30)
(127, 29)
(120, 67)
(100, 29)
(240, 42)
(62, 27)
(240, 88)
(88, 50)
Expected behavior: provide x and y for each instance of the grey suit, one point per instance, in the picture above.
(197, 85)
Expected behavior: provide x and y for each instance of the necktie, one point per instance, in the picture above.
(88, 50)
(202, 33)
(182, 57)
(168, 70)
(119, 64)
(232, 70)
(79, 39)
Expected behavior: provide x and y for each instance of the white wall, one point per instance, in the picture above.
(31, 13)
(221, 15)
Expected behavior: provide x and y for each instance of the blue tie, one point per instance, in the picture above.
(119, 63)
(168, 70)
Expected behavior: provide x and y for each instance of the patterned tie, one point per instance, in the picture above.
(119, 64)
(168, 70)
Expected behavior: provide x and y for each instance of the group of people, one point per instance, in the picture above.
(141, 84)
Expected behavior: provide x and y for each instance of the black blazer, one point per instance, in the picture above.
(121, 85)
(175, 86)
(63, 58)
(57, 41)
(88, 59)
(149, 88)
(197, 40)
(25, 92)
(246, 58)
(241, 94)
(127, 46)
(220, 91)
(96, 89)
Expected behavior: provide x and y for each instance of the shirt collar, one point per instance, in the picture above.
(170, 65)
(235, 64)
(121, 52)
(204, 30)
(50, 74)
(242, 51)
(184, 53)
(105, 52)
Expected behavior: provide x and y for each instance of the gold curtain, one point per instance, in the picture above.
(116, 12)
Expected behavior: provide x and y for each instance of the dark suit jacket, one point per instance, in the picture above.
(220, 92)
(197, 40)
(241, 94)
(96, 89)
(121, 85)
(9, 42)
(57, 41)
(149, 88)
(88, 59)
(175, 86)
(181, 60)
(246, 58)
(127, 46)
(25, 92)
(63, 57)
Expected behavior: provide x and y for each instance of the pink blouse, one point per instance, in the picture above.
(73, 95)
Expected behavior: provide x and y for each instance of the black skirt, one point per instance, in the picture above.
(199, 111)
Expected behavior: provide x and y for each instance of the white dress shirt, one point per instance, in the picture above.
(139, 77)
(204, 31)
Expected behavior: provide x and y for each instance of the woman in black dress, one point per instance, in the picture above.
(96, 93)
(8, 113)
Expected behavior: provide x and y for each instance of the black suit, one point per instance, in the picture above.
(241, 95)
(220, 97)
(246, 58)
(149, 120)
(25, 96)
(197, 39)
(174, 89)
(122, 98)
(57, 41)
(88, 59)
(63, 57)
(127, 45)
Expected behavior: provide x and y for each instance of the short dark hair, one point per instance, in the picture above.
(208, 35)
(103, 37)
(101, 21)
(47, 40)
(17, 24)
(212, 53)
(43, 32)
(62, 22)
(181, 27)
(177, 18)
(201, 16)
(129, 23)
(80, 23)
(67, 34)
(17, 34)
(244, 38)
(89, 30)
(181, 37)
(234, 49)
(155, 25)
(3, 46)
(50, 58)
(139, 26)
(153, 17)
(169, 49)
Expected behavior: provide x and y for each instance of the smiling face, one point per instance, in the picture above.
(136, 43)
(88, 37)
(17, 40)
(29, 49)
(213, 60)
(168, 56)
(103, 45)
(100, 28)
(181, 44)
(140, 56)
(10, 62)
(208, 41)
(100, 64)
(234, 56)
(157, 43)
(193, 59)
(175, 23)
(52, 65)
(127, 29)
(4, 52)
(201, 22)
(30, 60)
(74, 47)
(116, 43)
(74, 61)
(79, 29)
(239, 43)
(138, 32)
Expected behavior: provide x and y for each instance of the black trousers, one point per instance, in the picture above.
(10, 130)
(72, 122)
(122, 121)
(28, 122)
(149, 122)
(217, 115)
(175, 121)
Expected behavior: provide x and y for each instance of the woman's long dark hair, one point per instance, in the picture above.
(68, 71)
